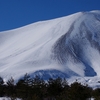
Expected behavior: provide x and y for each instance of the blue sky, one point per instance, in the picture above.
(17, 13)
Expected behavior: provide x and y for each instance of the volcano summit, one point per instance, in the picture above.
(65, 47)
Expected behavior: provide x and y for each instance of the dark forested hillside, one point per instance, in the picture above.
(29, 88)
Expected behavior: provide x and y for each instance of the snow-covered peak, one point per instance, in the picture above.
(66, 47)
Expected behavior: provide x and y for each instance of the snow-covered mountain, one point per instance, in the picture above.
(66, 47)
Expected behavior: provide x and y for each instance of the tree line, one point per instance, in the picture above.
(36, 88)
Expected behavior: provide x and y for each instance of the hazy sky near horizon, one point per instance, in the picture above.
(17, 13)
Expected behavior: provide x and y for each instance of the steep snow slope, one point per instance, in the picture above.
(66, 47)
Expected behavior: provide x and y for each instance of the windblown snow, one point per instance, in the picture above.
(66, 47)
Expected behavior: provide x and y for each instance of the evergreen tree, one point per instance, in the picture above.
(54, 87)
(39, 87)
(1, 81)
(96, 94)
(1, 87)
(24, 87)
(78, 91)
(10, 82)
(64, 93)
(10, 89)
